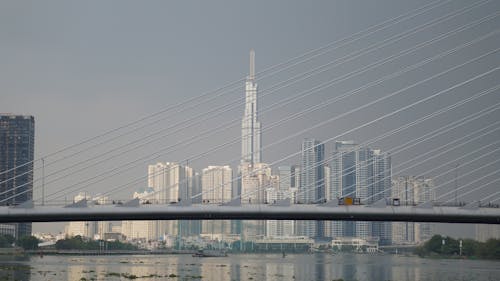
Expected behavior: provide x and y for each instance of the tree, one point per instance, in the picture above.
(28, 242)
(6, 241)
(470, 247)
(434, 244)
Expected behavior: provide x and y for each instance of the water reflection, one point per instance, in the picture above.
(15, 268)
(244, 267)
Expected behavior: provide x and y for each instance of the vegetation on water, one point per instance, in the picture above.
(78, 243)
(133, 276)
(25, 242)
(446, 246)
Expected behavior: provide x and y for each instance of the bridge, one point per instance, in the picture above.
(115, 157)
(80, 211)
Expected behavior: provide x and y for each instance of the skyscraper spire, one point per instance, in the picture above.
(252, 65)
(250, 126)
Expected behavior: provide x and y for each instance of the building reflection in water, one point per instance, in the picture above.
(15, 268)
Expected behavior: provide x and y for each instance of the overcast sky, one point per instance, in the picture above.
(85, 67)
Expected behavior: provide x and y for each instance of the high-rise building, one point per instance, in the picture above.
(380, 189)
(102, 227)
(312, 175)
(17, 147)
(425, 193)
(412, 190)
(252, 174)
(216, 189)
(250, 125)
(255, 179)
(172, 183)
(362, 173)
(141, 229)
(86, 229)
(89, 229)
(284, 189)
(196, 188)
(312, 184)
(484, 232)
(217, 184)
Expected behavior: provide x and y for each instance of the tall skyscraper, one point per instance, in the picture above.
(17, 147)
(312, 175)
(250, 125)
(312, 184)
(253, 175)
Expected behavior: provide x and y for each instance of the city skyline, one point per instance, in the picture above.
(85, 91)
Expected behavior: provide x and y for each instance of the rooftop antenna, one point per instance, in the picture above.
(252, 65)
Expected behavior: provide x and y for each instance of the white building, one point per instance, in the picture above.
(102, 226)
(484, 232)
(216, 184)
(250, 125)
(412, 191)
(285, 189)
(85, 229)
(141, 229)
(171, 183)
(255, 179)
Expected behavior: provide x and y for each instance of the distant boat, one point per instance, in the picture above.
(207, 254)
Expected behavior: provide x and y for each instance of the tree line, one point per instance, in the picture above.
(446, 246)
(25, 242)
(78, 243)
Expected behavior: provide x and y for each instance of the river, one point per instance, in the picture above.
(317, 266)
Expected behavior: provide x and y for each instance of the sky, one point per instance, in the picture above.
(83, 68)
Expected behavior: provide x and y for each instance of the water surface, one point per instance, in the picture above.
(245, 267)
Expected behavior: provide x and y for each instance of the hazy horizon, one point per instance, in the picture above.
(83, 68)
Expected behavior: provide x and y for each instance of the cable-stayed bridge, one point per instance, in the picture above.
(80, 211)
(478, 52)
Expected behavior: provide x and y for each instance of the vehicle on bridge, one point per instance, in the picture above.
(348, 201)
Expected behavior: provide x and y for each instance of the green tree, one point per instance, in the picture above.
(434, 244)
(6, 241)
(470, 247)
(28, 242)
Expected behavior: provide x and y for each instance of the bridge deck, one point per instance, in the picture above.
(251, 212)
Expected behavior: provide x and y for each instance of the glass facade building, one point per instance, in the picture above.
(17, 147)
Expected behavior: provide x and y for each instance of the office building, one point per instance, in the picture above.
(17, 147)
(312, 184)
(363, 173)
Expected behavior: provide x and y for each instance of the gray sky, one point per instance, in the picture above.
(82, 68)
